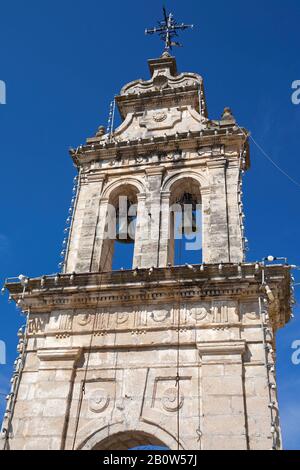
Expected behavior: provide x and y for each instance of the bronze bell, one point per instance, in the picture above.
(123, 226)
(189, 224)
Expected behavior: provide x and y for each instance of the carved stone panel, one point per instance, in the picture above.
(99, 395)
(249, 312)
(162, 119)
(37, 324)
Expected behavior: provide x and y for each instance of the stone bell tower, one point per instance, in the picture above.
(181, 356)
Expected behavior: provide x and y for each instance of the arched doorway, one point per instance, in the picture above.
(130, 440)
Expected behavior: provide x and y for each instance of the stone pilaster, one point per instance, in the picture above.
(234, 217)
(47, 426)
(149, 246)
(223, 423)
(166, 243)
(86, 218)
(218, 226)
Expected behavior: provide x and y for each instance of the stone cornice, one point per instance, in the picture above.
(204, 272)
(97, 150)
(90, 290)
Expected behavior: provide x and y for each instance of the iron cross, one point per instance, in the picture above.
(167, 30)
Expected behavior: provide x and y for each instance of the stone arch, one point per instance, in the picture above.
(186, 184)
(131, 188)
(173, 178)
(144, 433)
(173, 187)
(122, 182)
(128, 440)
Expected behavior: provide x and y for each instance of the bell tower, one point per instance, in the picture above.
(164, 353)
(165, 129)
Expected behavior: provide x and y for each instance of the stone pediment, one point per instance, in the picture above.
(167, 104)
(161, 80)
(159, 122)
(165, 89)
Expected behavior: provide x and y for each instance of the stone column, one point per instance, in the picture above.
(81, 246)
(223, 408)
(218, 227)
(165, 242)
(141, 231)
(205, 202)
(101, 244)
(149, 246)
(53, 393)
(234, 220)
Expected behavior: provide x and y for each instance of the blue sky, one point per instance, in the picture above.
(63, 61)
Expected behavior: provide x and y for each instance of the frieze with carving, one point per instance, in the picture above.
(249, 312)
(36, 324)
(139, 320)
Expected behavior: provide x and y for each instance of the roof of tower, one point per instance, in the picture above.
(169, 107)
(166, 88)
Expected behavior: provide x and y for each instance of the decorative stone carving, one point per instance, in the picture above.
(161, 119)
(66, 322)
(36, 325)
(122, 318)
(252, 315)
(220, 315)
(159, 116)
(198, 313)
(249, 311)
(99, 400)
(171, 401)
(83, 319)
(160, 315)
(160, 81)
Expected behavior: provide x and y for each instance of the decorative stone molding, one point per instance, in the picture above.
(90, 290)
(59, 354)
(221, 347)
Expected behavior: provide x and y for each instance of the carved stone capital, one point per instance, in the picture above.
(155, 171)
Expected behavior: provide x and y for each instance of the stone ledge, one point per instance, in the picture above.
(57, 354)
(221, 347)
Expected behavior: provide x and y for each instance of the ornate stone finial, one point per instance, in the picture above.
(168, 29)
(227, 116)
(100, 131)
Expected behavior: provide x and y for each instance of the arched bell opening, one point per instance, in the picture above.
(131, 440)
(185, 243)
(120, 228)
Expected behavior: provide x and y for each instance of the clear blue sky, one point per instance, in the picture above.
(63, 61)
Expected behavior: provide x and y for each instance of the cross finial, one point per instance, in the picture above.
(168, 29)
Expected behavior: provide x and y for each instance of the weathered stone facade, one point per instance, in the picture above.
(178, 356)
